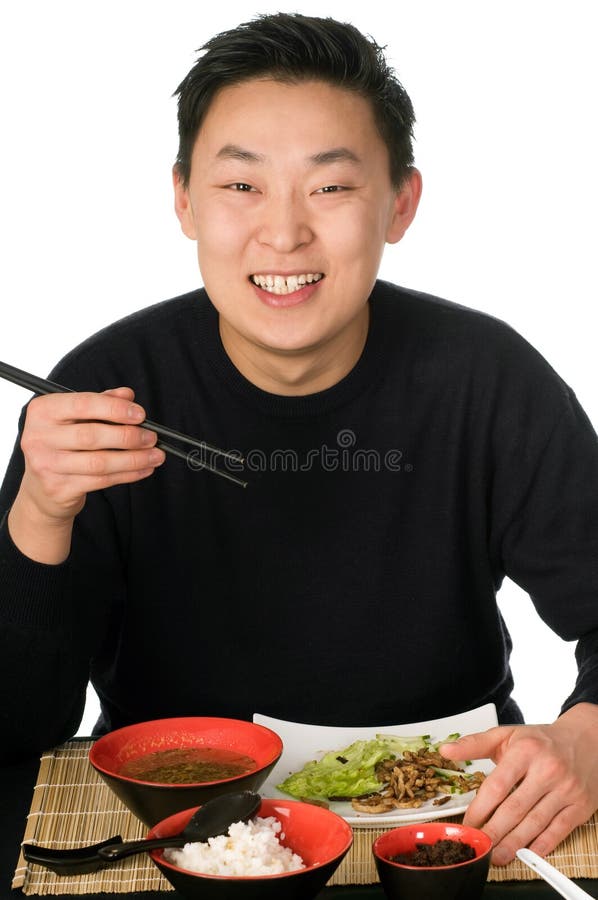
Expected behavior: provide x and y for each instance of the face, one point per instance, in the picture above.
(290, 186)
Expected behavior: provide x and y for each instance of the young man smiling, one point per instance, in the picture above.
(315, 594)
(324, 215)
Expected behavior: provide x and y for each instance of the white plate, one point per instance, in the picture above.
(302, 743)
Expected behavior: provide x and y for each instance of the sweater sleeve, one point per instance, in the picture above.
(52, 622)
(550, 546)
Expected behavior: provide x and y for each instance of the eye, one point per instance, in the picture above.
(331, 189)
(240, 186)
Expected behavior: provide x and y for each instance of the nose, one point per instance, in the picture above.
(284, 224)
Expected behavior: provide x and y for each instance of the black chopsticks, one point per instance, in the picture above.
(42, 386)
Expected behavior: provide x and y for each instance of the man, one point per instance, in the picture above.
(404, 454)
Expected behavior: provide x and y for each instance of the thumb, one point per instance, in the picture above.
(480, 745)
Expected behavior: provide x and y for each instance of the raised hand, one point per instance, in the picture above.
(75, 443)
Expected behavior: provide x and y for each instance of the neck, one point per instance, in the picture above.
(297, 373)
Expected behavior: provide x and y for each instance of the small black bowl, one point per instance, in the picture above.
(150, 801)
(462, 881)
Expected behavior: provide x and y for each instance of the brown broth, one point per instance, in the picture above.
(187, 765)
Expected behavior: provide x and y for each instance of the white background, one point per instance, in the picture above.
(504, 92)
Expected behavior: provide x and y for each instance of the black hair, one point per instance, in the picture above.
(293, 48)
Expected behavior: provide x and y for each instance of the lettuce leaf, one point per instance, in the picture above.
(349, 772)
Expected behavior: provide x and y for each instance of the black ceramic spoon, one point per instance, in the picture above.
(213, 818)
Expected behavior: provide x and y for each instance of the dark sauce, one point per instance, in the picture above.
(442, 853)
(188, 765)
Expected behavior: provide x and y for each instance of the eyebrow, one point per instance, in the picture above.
(325, 157)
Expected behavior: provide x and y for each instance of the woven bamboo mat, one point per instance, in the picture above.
(72, 807)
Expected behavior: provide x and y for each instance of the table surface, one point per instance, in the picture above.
(16, 789)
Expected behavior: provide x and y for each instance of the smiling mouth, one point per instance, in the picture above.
(280, 284)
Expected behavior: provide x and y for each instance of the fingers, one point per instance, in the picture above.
(80, 485)
(57, 480)
(497, 789)
(75, 443)
(126, 392)
(69, 422)
(480, 745)
(105, 463)
(111, 406)
(540, 822)
(546, 824)
(511, 809)
(558, 829)
(98, 436)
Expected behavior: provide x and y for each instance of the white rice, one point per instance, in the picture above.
(249, 848)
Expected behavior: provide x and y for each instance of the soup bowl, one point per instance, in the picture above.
(320, 837)
(152, 801)
(459, 881)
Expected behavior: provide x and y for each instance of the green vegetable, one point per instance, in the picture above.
(452, 737)
(400, 743)
(333, 777)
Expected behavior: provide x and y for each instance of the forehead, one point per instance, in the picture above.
(264, 116)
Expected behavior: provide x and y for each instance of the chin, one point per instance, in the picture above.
(289, 344)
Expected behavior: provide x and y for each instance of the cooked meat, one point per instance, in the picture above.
(374, 804)
(415, 779)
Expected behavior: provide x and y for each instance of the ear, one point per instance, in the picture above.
(404, 206)
(182, 205)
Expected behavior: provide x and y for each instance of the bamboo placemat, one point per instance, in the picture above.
(72, 807)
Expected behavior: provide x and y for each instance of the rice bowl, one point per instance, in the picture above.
(249, 849)
(320, 837)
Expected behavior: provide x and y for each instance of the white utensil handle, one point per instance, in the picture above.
(563, 885)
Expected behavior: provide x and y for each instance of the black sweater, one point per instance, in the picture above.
(354, 581)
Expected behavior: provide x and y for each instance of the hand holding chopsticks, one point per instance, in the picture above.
(42, 386)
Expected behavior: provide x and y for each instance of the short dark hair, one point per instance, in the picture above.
(293, 48)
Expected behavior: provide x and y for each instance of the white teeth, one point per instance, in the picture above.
(278, 284)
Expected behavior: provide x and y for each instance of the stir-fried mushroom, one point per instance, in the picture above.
(414, 779)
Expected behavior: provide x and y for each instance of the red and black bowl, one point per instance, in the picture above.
(151, 801)
(320, 837)
(460, 881)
